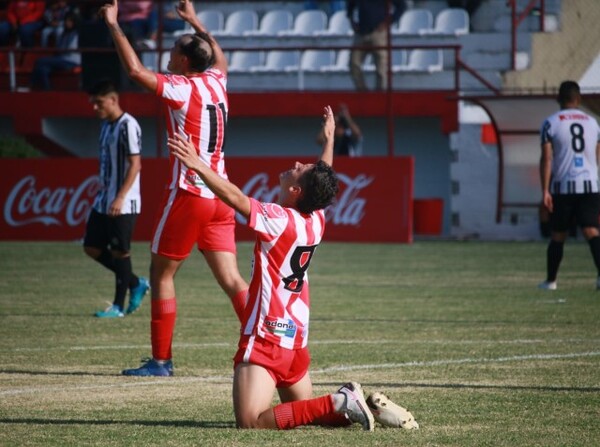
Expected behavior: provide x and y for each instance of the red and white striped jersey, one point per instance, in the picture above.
(278, 298)
(197, 108)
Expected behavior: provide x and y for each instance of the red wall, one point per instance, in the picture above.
(49, 199)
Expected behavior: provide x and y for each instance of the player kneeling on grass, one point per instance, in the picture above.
(273, 352)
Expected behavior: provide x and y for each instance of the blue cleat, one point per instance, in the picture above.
(151, 368)
(136, 295)
(111, 311)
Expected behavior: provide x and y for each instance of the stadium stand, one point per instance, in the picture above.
(451, 21)
(413, 21)
(339, 25)
(239, 22)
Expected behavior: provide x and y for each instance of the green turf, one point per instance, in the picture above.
(455, 331)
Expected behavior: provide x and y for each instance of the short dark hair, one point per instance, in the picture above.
(103, 88)
(568, 92)
(199, 58)
(319, 187)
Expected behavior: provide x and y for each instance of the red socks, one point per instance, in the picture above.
(161, 327)
(303, 412)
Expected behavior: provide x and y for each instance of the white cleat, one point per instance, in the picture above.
(352, 403)
(550, 285)
(389, 414)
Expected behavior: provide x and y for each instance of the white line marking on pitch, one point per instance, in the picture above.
(458, 361)
(312, 342)
(175, 381)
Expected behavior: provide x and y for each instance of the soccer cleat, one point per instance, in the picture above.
(354, 405)
(151, 368)
(547, 285)
(389, 414)
(111, 311)
(136, 295)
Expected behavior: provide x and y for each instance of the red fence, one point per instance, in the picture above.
(49, 199)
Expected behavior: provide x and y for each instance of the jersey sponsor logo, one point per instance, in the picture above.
(578, 162)
(26, 204)
(280, 327)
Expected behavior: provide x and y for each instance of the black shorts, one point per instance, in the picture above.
(104, 231)
(584, 208)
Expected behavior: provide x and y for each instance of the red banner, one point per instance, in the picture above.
(49, 199)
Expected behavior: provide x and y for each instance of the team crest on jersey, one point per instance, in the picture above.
(272, 210)
(280, 327)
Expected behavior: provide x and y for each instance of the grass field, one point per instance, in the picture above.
(455, 331)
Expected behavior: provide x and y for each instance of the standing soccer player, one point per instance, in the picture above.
(273, 352)
(569, 174)
(196, 97)
(110, 224)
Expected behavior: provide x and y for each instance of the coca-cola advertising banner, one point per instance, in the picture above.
(50, 199)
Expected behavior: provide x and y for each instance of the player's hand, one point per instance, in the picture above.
(184, 151)
(328, 123)
(185, 9)
(548, 203)
(109, 12)
(115, 207)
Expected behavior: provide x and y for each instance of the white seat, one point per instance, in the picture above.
(307, 23)
(242, 61)
(450, 21)
(399, 60)
(339, 25)
(164, 61)
(212, 20)
(272, 23)
(279, 60)
(238, 22)
(314, 60)
(341, 64)
(424, 60)
(413, 21)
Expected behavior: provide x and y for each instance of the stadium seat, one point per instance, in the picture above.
(279, 60)
(399, 60)
(314, 60)
(272, 23)
(243, 61)
(342, 60)
(450, 21)
(339, 25)
(238, 22)
(307, 23)
(212, 19)
(413, 21)
(424, 60)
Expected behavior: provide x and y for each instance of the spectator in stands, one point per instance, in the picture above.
(334, 5)
(347, 137)
(171, 22)
(45, 66)
(468, 5)
(371, 22)
(135, 20)
(54, 19)
(23, 18)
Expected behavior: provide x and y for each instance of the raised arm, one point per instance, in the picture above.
(185, 151)
(129, 59)
(328, 132)
(185, 9)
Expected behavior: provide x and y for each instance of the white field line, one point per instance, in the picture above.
(333, 369)
(313, 342)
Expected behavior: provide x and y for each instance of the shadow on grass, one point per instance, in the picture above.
(381, 385)
(193, 424)
(57, 373)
